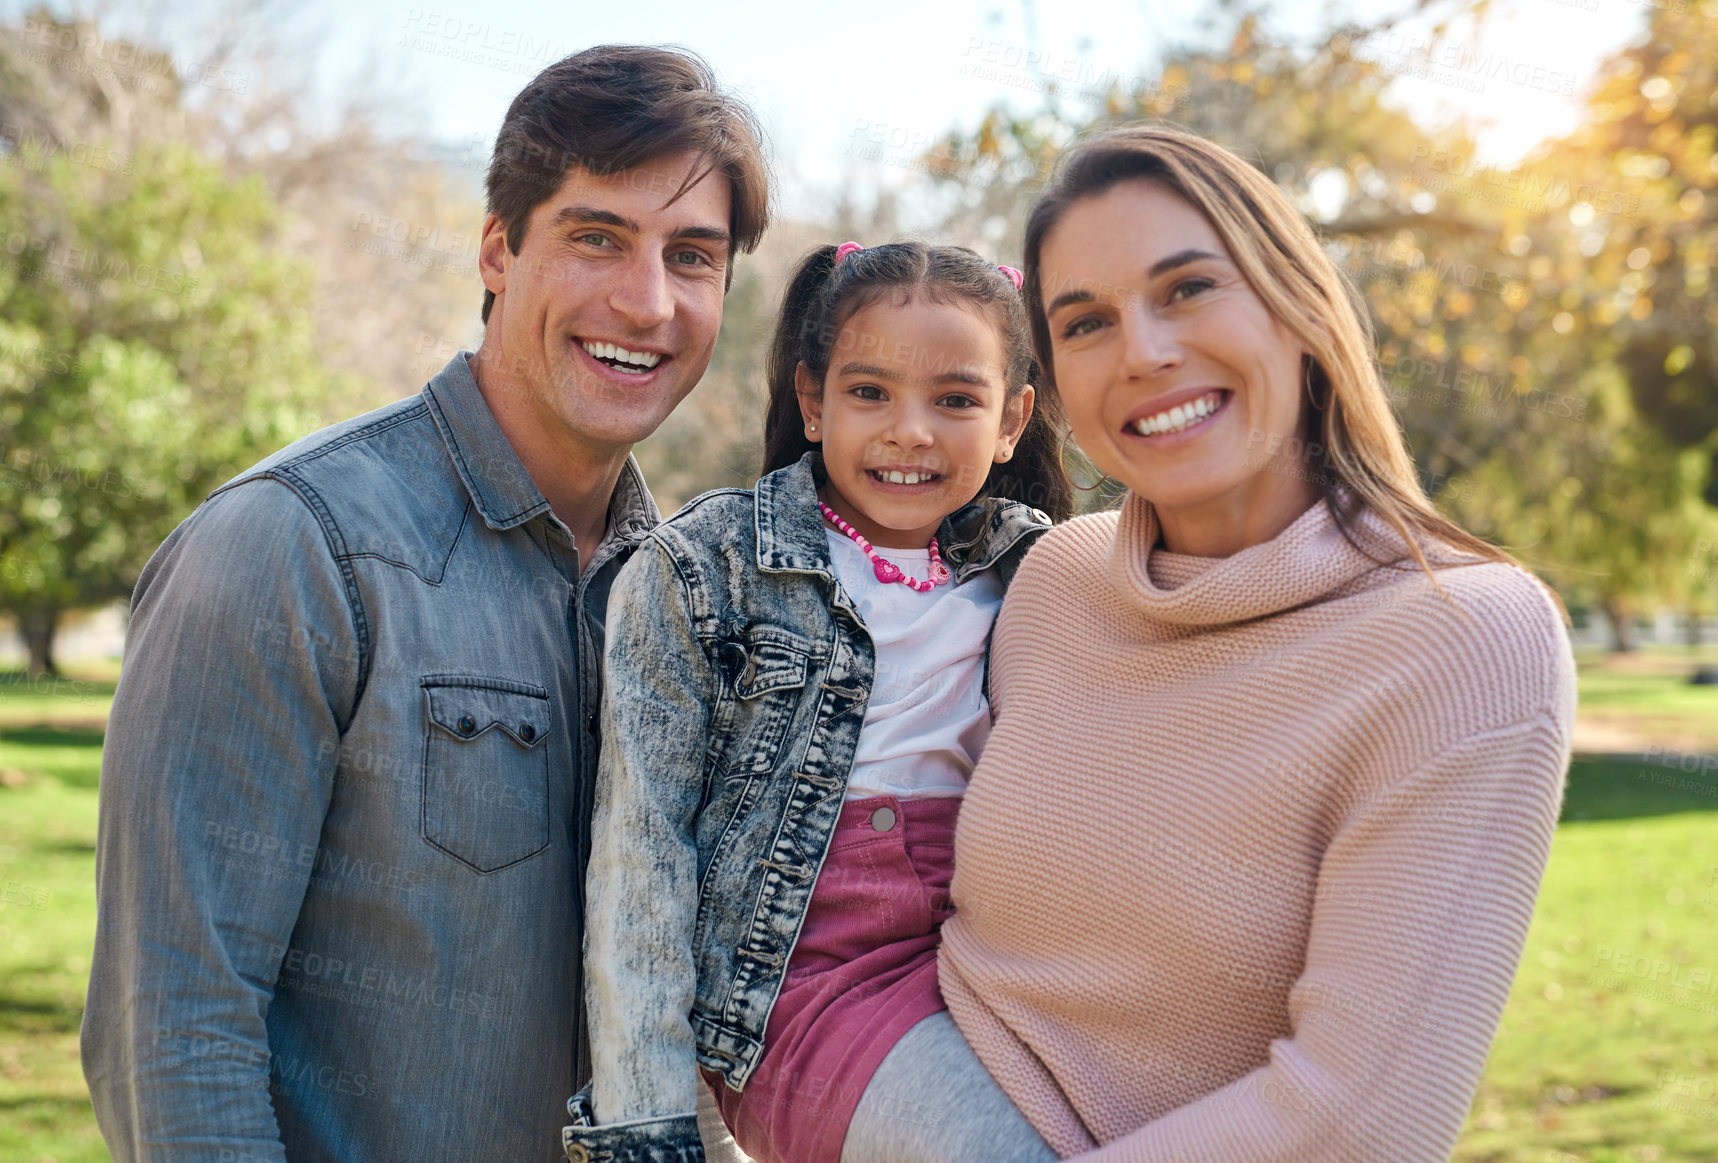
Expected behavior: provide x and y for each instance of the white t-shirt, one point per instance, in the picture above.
(928, 718)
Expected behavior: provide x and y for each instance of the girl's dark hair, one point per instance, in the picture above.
(822, 296)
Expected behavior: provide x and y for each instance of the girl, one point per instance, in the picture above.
(795, 696)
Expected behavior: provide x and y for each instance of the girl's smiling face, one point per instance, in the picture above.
(911, 415)
(1178, 381)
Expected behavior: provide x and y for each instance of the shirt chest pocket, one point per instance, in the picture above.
(767, 687)
(486, 770)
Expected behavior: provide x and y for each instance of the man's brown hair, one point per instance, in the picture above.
(616, 106)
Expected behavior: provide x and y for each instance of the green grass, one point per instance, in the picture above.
(1608, 1050)
(47, 924)
(1646, 698)
(1613, 1020)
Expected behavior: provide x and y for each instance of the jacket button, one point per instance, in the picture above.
(883, 819)
(527, 732)
(467, 724)
(576, 1153)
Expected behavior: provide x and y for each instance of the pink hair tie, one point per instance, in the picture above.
(846, 249)
(1014, 276)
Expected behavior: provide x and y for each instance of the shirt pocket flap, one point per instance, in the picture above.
(771, 666)
(467, 711)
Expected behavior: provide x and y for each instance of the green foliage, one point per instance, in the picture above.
(155, 340)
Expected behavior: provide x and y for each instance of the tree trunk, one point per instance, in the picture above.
(1622, 628)
(37, 628)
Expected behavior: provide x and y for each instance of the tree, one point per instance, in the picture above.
(154, 344)
(188, 177)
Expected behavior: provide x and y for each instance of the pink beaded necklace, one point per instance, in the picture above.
(888, 571)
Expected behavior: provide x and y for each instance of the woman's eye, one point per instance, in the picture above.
(1187, 288)
(1081, 326)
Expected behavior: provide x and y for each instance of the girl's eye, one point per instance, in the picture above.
(1191, 287)
(868, 392)
(959, 401)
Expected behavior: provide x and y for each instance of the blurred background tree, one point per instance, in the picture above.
(188, 285)
(153, 345)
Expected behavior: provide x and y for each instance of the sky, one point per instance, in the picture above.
(849, 94)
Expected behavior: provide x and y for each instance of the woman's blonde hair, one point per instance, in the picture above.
(1282, 259)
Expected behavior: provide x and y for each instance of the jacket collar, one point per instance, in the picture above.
(501, 490)
(791, 537)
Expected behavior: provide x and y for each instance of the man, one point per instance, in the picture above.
(346, 788)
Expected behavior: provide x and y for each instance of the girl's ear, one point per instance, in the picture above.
(810, 403)
(1015, 414)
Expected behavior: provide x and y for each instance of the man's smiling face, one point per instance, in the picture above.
(607, 316)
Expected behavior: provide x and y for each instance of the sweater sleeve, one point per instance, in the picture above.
(1421, 910)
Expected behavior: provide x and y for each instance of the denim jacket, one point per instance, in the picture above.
(344, 802)
(737, 676)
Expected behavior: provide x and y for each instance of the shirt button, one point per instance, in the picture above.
(883, 819)
(467, 724)
(527, 732)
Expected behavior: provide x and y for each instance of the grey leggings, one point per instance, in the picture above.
(932, 1101)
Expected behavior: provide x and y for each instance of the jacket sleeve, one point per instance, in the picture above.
(641, 887)
(1422, 907)
(241, 667)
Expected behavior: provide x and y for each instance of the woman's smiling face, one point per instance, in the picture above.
(1178, 381)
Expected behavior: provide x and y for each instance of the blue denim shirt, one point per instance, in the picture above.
(344, 805)
(737, 676)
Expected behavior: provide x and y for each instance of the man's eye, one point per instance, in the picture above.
(689, 258)
(593, 239)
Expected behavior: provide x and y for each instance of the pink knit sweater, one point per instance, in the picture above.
(1247, 865)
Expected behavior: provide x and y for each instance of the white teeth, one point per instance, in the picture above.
(644, 359)
(897, 477)
(1179, 417)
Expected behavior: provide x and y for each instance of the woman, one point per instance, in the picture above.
(1250, 879)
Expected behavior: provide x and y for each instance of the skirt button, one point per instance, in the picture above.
(883, 819)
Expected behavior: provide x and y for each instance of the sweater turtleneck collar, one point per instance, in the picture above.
(1309, 562)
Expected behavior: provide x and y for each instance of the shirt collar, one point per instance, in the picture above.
(501, 489)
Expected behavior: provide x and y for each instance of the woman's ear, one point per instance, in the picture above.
(810, 403)
(1015, 415)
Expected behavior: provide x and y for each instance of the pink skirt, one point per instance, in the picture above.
(863, 973)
